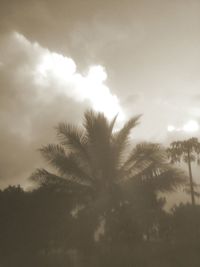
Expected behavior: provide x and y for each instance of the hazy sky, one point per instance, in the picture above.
(58, 58)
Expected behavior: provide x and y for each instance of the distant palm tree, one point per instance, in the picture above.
(187, 151)
(93, 160)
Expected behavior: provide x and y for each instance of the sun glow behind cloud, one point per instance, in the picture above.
(56, 64)
(63, 72)
(55, 74)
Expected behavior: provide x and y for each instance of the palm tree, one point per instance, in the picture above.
(187, 151)
(93, 161)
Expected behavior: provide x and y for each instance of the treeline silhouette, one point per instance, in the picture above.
(101, 206)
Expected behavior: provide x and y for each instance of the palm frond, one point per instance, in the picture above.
(43, 177)
(151, 152)
(55, 155)
(112, 123)
(121, 138)
(147, 164)
(160, 180)
(67, 165)
(98, 135)
(96, 124)
(72, 137)
(145, 159)
(168, 180)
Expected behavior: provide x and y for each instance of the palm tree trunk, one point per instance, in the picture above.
(191, 179)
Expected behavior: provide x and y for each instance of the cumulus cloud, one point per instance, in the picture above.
(39, 88)
(51, 68)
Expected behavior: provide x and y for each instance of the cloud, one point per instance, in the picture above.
(39, 88)
(189, 127)
(51, 68)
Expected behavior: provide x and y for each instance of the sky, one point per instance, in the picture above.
(59, 58)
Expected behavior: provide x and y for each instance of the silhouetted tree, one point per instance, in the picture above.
(93, 159)
(36, 227)
(187, 151)
(102, 189)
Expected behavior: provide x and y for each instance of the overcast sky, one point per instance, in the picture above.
(58, 58)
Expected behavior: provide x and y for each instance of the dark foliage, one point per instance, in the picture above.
(100, 207)
(37, 229)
